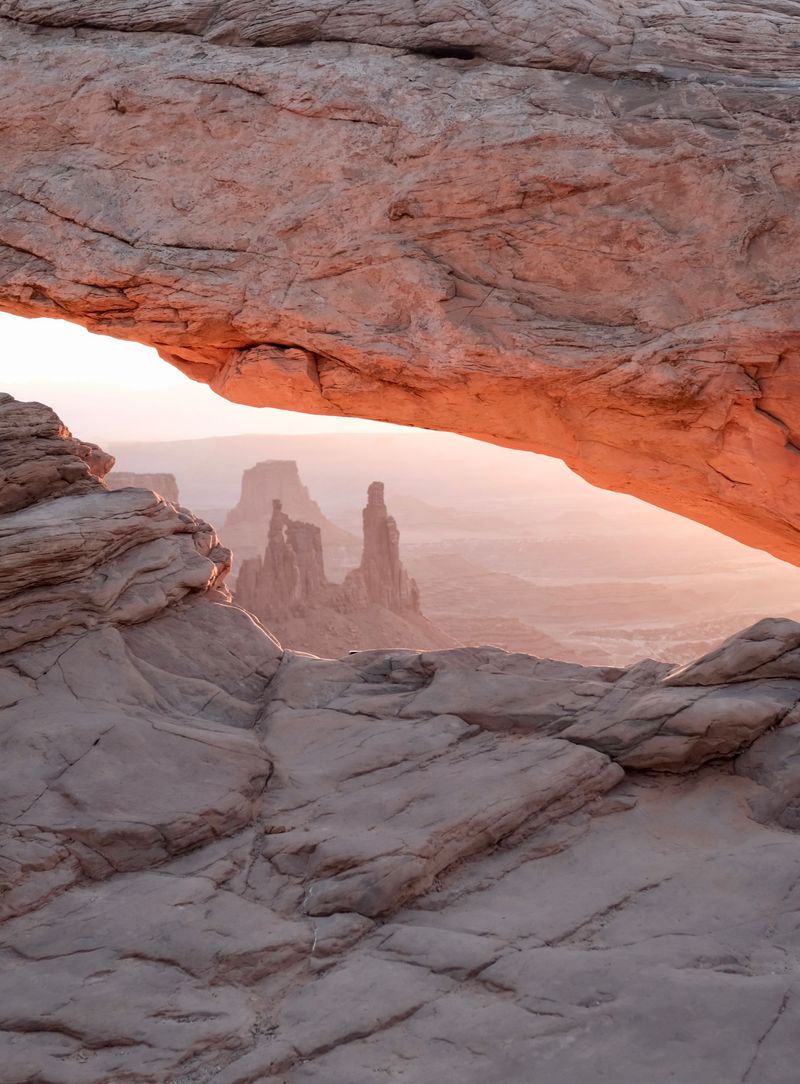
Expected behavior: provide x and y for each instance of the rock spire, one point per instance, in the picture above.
(251, 520)
(377, 603)
(383, 578)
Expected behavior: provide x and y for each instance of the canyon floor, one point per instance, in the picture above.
(225, 863)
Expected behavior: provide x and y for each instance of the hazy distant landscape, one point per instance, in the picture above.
(507, 547)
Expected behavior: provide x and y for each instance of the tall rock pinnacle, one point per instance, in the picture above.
(386, 581)
(290, 576)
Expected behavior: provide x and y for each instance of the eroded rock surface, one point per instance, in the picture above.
(571, 229)
(223, 863)
(40, 459)
(123, 738)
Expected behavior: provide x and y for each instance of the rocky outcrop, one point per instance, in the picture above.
(249, 523)
(290, 577)
(226, 863)
(164, 485)
(123, 729)
(40, 459)
(492, 219)
(378, 602)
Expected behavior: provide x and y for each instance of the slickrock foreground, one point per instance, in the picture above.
(571, 228)
(223, 863)
(377, 605)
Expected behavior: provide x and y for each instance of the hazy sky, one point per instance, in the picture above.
(105, 389)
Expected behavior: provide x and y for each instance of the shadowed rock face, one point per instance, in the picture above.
(228, 863)
(568, 229)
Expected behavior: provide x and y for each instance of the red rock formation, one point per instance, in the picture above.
(572, 229)
(163, 484)
(290, 577)
(377, 604)
(381, 577)
(251, 520)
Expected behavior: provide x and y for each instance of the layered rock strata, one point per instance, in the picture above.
(164, 485)
(112, 711)
(571, 229)
(230, 864)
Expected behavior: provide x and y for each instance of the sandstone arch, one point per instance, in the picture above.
(581, 241)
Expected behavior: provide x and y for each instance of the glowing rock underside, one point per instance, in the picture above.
(571, 229)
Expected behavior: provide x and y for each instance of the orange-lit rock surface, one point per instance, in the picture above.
(572, 229)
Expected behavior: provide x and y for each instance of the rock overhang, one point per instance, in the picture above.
(581, 242)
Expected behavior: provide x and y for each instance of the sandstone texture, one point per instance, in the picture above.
(377, 604)
(225, 863)
(571, 229)
(39, 457)
(164, 485)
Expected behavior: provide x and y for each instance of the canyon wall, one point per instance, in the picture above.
(567, 229)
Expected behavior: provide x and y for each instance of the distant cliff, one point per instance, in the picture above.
(248, 524)
(164, 484)
(377, 605)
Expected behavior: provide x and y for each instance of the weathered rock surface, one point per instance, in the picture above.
(768, 649)
(378, 603)
(569, 229)
(164, 485)
(116, 723)
(40, 459)
(221, 863)
(247, 526)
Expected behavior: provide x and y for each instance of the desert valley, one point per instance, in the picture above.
(507, 548)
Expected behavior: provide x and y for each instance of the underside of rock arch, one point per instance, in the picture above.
(568, 229)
